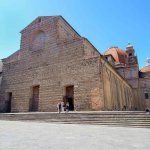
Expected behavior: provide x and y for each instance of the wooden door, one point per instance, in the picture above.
(8, 109)
(35, 99)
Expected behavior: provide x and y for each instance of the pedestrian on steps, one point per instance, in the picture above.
(59, 107)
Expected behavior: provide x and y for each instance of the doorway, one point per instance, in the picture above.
(8, 104)
(34, 101)
(70, 97)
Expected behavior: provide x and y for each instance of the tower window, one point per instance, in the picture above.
(146, 96)
(130, 54)
(145, 85)
(130, 74)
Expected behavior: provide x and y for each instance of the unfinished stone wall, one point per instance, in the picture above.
(1, 70)
(53, 56)
(52, 65)
(1, 102)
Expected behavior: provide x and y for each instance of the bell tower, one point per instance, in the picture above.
(130, 50)
(131, 58)
(131, 69)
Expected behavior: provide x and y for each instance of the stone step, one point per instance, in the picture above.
(81, 118)
(95, 121)
(136, 119)
(81, 115)
(108, 124)
(121, 123)
(87, 120)
(74, 118)
(99, 123)
(84, 112)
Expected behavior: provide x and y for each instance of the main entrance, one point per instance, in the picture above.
(70, 97)
(34, 101)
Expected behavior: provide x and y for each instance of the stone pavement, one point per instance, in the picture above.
(15, 135)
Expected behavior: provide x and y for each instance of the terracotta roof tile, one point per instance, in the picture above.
(145, 69)
(118, 54)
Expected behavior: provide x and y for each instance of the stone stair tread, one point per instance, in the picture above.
(131, 119)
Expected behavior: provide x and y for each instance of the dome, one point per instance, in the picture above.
(118, 54)
(145, 69)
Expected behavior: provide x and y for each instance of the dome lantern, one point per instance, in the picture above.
(148, 62)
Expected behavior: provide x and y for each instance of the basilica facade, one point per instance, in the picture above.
(55, 64)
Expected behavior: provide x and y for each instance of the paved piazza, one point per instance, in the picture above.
(15, 135)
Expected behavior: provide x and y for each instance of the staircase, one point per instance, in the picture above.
(108, 118)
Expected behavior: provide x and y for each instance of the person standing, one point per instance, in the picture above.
(59, 107)
(62, 106)
(67, 107)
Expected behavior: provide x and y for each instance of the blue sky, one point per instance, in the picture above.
(105, 23)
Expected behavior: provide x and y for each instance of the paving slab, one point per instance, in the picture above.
(17, 135)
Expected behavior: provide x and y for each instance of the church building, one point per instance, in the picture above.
(126, 64)
(55, 64)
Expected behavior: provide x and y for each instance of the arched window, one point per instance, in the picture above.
(38, 41)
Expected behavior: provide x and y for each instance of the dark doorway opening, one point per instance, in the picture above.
(34, 101)
(70, 97)
(8, 104)
(71, 104)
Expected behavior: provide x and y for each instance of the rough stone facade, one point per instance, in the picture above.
(55, 63)
(1, 68)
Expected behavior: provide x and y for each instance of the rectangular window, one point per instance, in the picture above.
(130, 74)
(146, 96)
(145, 85)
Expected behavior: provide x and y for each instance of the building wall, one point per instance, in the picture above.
(0, 80)
(1, 69)
(53, 66)
(53, 56)
(144, 84)
(117, 93)
(131, 74)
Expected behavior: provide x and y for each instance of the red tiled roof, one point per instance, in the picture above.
(118, 54)
(145, 69)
